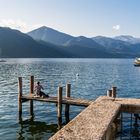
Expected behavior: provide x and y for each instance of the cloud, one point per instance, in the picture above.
(14, 24)
(18, 24)
(116, 27)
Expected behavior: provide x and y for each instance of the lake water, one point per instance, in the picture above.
(95, 77)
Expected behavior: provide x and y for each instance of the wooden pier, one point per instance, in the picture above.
(65, 100)
(98, 121)
(90, 124)
(58, 100)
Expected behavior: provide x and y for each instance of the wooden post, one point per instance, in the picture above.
(19, 98)
(68, 87)
(109, 93)
(59, 107)
(31, 94)
(114, 92)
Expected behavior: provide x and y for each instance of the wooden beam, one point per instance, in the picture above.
(114, 92)
(59, 107)
(69, 101)
(67, 106)
(19, 98)
(109, 93)
(31, 94)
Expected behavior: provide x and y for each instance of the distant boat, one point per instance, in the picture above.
(137, 62)
(2, 60)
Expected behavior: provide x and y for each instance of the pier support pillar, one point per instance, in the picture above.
(31, 94)
(19, 98)
(114, 92)
(59, 107)
(109, 93)
(67, 107)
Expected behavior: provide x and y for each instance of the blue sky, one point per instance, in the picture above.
(76, 17)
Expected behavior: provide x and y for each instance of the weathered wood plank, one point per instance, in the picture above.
(90, 124)
(67, 106)
(20, 97)
(70, 101)
(59, 106)
(129, 104)
(31, 93)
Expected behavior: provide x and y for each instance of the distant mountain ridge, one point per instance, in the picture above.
(49, 35)
(50, 43)
(53, 36)
(128, 38)
(15, 44)
(120, 46)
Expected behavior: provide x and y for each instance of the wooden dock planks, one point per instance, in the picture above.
(94, 123)
(90, 124)
(68, 100)
(129, 105)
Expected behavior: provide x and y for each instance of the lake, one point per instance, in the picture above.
(96, 76)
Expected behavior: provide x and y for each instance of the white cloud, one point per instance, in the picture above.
(116, 27)
(14, 24)
(18, 24)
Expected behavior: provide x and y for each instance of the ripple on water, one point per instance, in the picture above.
(95, 77)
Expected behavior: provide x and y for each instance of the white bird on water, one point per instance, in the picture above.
(77, 74)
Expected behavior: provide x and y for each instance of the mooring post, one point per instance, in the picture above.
(59, 107)
(31, 94)
(109, 93)
(19, 98)
(114, 92)
(68, 88)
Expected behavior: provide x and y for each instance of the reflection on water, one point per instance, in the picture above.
(130, 127)
(95, 77)
(30, 129)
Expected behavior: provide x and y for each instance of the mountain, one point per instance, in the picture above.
(13, 44)
(99, 46)
(76, 46)
(118, 48)
(50, 35)
(110, 43)
(86, 47)
(82, 41)
(128, 38)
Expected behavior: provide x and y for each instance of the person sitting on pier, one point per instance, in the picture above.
(38, 92)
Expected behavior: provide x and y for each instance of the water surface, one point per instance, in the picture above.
(95, 77)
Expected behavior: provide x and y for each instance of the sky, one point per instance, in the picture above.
(75, 17)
